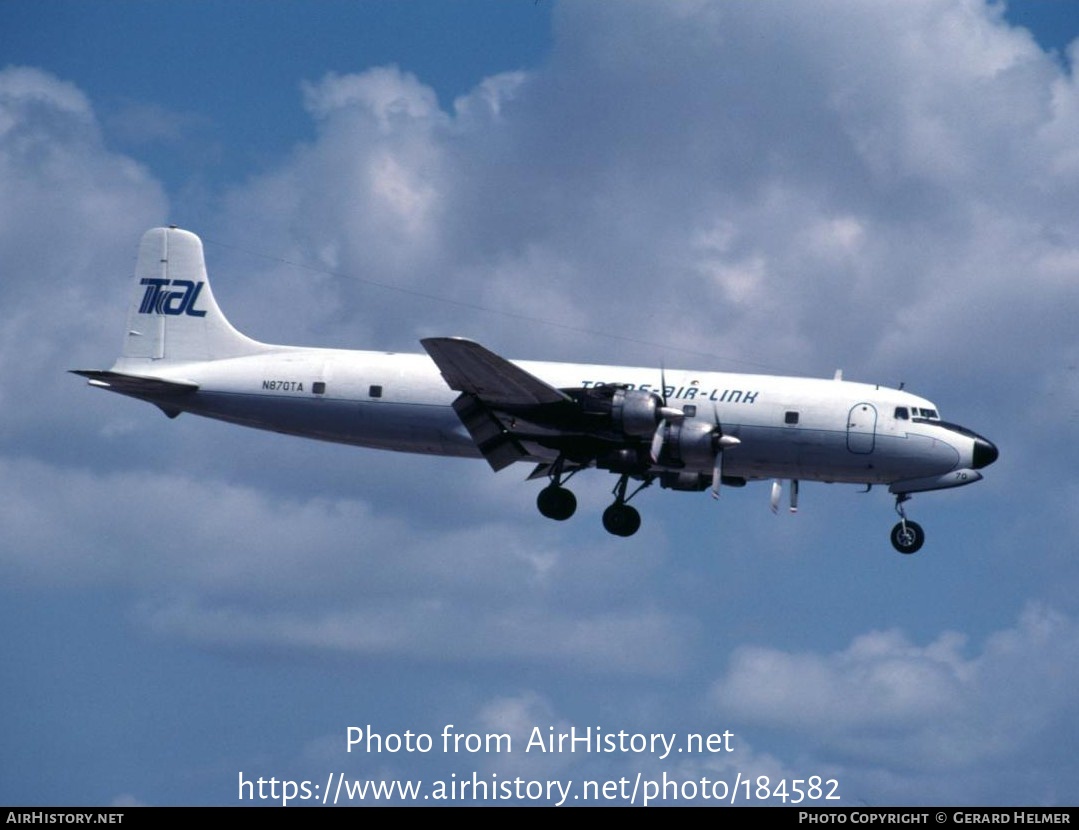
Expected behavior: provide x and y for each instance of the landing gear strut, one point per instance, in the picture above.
(907, 536)
(620, 519)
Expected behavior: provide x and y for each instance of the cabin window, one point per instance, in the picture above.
(375, 391)
(319, 387)
(901, 413)
(790, 418)
(689, 410)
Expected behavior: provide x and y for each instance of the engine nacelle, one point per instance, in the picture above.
(689, 444)
(630, 412)
(635, 412)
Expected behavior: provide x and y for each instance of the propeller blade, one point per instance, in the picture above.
(657, 442)
(777, 490)
(794, 495)
(717, 474)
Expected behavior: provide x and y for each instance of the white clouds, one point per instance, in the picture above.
(863, 159)
(52, 160)
(368, 197)
(388, 95)
(864, 171)
(25, 88)
(943, 709)
(489, 97)
(435, 631)
(231, 567)
(846, 692)
(68, 212)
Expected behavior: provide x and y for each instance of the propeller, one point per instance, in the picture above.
(668, 414)
(720, 442)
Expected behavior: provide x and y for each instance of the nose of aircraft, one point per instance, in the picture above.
(985, 453)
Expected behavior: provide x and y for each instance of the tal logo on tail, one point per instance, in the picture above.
(173, 297)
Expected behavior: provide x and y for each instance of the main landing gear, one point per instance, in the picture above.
(556, 502)
(621, 519)
(907, 536)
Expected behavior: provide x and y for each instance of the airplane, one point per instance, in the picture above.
(687, 430)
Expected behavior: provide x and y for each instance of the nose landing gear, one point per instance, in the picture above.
(907, 536)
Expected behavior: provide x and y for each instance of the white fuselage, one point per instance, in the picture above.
(798, 428)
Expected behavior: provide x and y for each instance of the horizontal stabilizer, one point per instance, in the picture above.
(136, 385)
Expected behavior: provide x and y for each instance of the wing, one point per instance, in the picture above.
(513, 415)
(494, 393)
(470, 368)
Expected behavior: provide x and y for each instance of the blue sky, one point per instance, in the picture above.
(886, 188)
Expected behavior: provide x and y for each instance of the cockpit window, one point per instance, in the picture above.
(901, 413)
(929, 413)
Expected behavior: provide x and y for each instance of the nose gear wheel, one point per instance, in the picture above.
(907, 536)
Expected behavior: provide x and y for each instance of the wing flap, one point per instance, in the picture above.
(496, 443)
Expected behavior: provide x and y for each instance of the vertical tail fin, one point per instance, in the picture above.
(173, 314)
